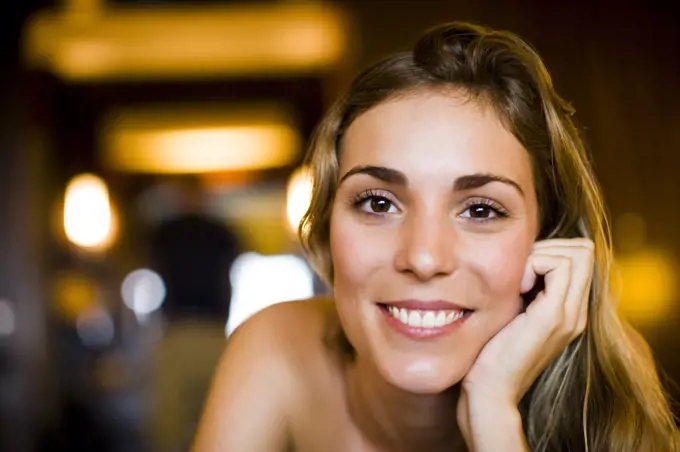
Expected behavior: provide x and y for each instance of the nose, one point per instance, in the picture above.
(427, 249)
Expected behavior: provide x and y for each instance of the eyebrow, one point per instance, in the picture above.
(396, 177)
(471, 181)
(389, 175)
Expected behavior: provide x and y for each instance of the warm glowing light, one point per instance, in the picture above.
(87, 212)
(630, 232)
(90, 43)
(288, 278)
(299, 195)
(647, 285)
(186, 139)
(203, 150)
(73, 294)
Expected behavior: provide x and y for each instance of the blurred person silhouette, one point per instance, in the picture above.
(193, 252)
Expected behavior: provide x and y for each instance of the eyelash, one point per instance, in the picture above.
(368, 195)
(498, 210)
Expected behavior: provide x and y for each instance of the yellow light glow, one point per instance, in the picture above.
(134, 43)
(207, 150)
(87, 212)
(184, 139)
(647, 282)
(74, 293)
(299, 195)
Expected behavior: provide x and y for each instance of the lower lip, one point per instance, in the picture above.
(414, 332)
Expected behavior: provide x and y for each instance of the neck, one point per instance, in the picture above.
(394, 419)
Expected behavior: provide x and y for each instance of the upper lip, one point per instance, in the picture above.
(425, 305)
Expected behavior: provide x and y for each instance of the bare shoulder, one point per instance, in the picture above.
(260, 377)
(289, 327)
(295, 313)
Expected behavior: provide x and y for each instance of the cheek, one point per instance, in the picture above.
(358, 252)
(500, 263)
(359, 261)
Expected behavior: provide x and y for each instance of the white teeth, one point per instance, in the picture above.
(429, 319)
(425, 319)
(414, 319)
(403, 315)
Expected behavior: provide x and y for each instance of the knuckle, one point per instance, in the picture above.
(588, 243)
(589, 251)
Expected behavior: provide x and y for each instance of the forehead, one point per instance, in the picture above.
(427, 134)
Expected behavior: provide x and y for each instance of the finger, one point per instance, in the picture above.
(570, 243)
(565, 245)
(549, 304)
(576, 302)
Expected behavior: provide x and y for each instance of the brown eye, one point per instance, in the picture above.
(375, 205)
(481, 211)
(380, 205)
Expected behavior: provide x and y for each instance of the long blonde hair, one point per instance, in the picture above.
(603, 392)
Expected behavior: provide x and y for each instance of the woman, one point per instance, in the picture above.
(457, 217)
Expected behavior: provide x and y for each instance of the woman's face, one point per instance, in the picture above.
(431, 227)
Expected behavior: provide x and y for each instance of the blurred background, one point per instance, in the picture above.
(150, 183)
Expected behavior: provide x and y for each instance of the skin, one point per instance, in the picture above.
(435, 242)
(413, 218)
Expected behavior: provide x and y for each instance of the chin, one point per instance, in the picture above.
(423, 375)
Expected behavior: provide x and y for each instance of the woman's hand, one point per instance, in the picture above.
(512, 360)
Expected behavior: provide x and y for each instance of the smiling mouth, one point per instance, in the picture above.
(420, 318)
(422, 322)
